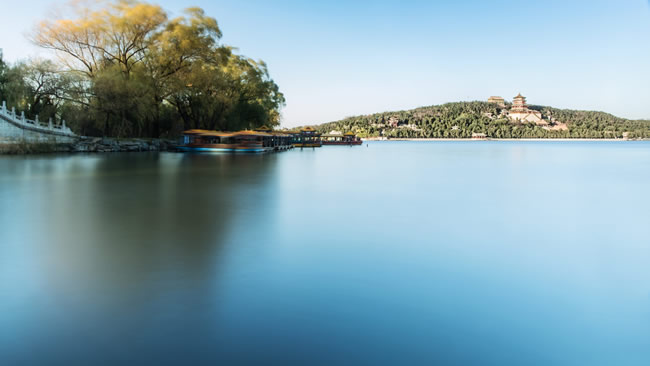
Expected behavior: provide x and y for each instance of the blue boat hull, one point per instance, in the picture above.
(222, 150)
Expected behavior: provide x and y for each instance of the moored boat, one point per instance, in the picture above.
(307, 137)
(348, 139)
(238, 142)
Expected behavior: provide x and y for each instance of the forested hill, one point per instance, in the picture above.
(460, 120)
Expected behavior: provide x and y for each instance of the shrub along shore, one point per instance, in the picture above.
(89, 145)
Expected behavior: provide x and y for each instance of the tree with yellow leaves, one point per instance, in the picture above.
(148, 75)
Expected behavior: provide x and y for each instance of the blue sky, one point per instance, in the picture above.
(334, 59)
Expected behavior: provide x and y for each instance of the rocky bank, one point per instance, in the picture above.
(90, 145)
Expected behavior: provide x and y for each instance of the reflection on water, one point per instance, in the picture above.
(395, 253)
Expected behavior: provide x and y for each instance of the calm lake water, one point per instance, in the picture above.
(395, 253)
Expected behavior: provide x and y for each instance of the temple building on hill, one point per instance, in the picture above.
(498, 101)
(520, 112)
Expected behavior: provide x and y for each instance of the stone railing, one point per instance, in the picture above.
(34, 125)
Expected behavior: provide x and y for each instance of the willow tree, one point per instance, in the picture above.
(227, 94)
(44, 87)
(13, 89)
(3, 78)
(185, 43)
(100, 42)
(116, 33)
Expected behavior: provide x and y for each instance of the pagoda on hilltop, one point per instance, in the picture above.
(520, 112)
(519, 104)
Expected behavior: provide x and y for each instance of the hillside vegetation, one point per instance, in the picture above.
(460, 120)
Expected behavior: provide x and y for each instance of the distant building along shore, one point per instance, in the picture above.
(519, 112)
(498, 101)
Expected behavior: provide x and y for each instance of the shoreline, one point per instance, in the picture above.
(109, 145)
(88, 145)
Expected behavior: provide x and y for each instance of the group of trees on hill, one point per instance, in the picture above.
(461, 120)
(125, 69)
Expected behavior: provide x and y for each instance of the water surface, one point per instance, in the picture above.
(393, 253)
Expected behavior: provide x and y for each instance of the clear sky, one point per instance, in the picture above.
(335, 59)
